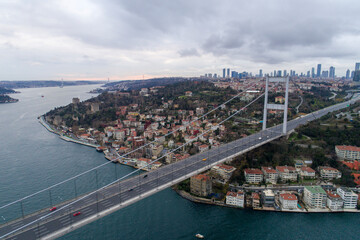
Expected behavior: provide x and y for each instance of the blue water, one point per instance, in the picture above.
(31, 158)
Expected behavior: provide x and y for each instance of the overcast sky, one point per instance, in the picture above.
(84, 39)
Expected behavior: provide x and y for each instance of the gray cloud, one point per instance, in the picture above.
(189, 52)
(127, 37)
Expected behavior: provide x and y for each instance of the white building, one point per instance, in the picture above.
(235, 199)
(253, 175)
(288, 201)
(314, 196)
(307, 172)
(225, 171)
(349, 197)
(270, 175)
(334, 201)
(287, 173)
(348, 152)
(329, 173)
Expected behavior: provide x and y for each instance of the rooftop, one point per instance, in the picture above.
(315, 189)
(348, 148)
(288, 196)
(253, 171)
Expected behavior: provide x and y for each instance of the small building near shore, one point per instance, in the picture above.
(236, 199)
(200, 185)
(288, 201)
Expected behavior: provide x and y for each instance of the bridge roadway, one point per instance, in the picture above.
(116, 196)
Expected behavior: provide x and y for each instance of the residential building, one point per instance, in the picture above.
(288, 201)
(307, 172)
(270, 175)
(287, 173)
(235, 199)
(334, 201)
(329, 173)
(253, 175)
(200, 185)
(255, 200)
(268, 198)
(314, 196)
(348, 152)
(225, 171)
(349, 197)
(279, 99)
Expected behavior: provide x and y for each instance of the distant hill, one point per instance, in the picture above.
(38, 84)
(138, 84)
(6, 91)
(7, 99)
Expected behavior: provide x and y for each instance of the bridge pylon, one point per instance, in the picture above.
(283, 107)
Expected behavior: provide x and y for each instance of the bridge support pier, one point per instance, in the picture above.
(283, 107)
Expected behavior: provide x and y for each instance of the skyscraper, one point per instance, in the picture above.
(347, 74)
(318, 72)
(308, 74)
(260, 73)
(224, 72)
(357, 76)
(285, 73)
(274, 73)
(279, 73)
(332, 72)
(228, 72)
(357, 66)
(313, 72)
(352, 74)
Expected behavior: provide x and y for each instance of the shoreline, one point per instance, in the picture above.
(62, 136)
(200, 200)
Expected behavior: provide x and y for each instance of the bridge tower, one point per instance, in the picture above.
(283, 107)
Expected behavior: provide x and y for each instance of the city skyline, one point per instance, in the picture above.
(135, 40)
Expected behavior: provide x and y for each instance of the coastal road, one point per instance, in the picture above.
(107, 200)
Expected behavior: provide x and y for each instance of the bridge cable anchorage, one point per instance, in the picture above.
(133, 172)
(123, 156)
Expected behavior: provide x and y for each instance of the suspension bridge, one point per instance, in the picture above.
(72, 214)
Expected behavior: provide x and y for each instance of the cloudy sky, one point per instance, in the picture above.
(129, 39)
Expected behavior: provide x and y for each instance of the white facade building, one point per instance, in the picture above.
(235, 199)
(314, 196)
(349, 197)
(253, 175)
(288, 201)
(348, 152)
(334, 201)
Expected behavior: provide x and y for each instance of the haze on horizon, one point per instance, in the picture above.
(85, 39)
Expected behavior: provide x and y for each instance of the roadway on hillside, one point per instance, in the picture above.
(133, 189)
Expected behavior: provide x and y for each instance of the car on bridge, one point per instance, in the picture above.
(76, 214)
(204, 159)
(52, 209)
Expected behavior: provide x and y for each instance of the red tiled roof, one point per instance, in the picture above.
(269, 170)
(356, 178)
(253, 171)
(226, 167)
(232, 194)
(255, 195)
(329, 169)
(282, 168)
(288, 196)
(307, 169)
(332, 194)
(352, 165)
(202, 177)
(348, 148)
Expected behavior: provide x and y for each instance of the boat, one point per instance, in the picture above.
(199, 236)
